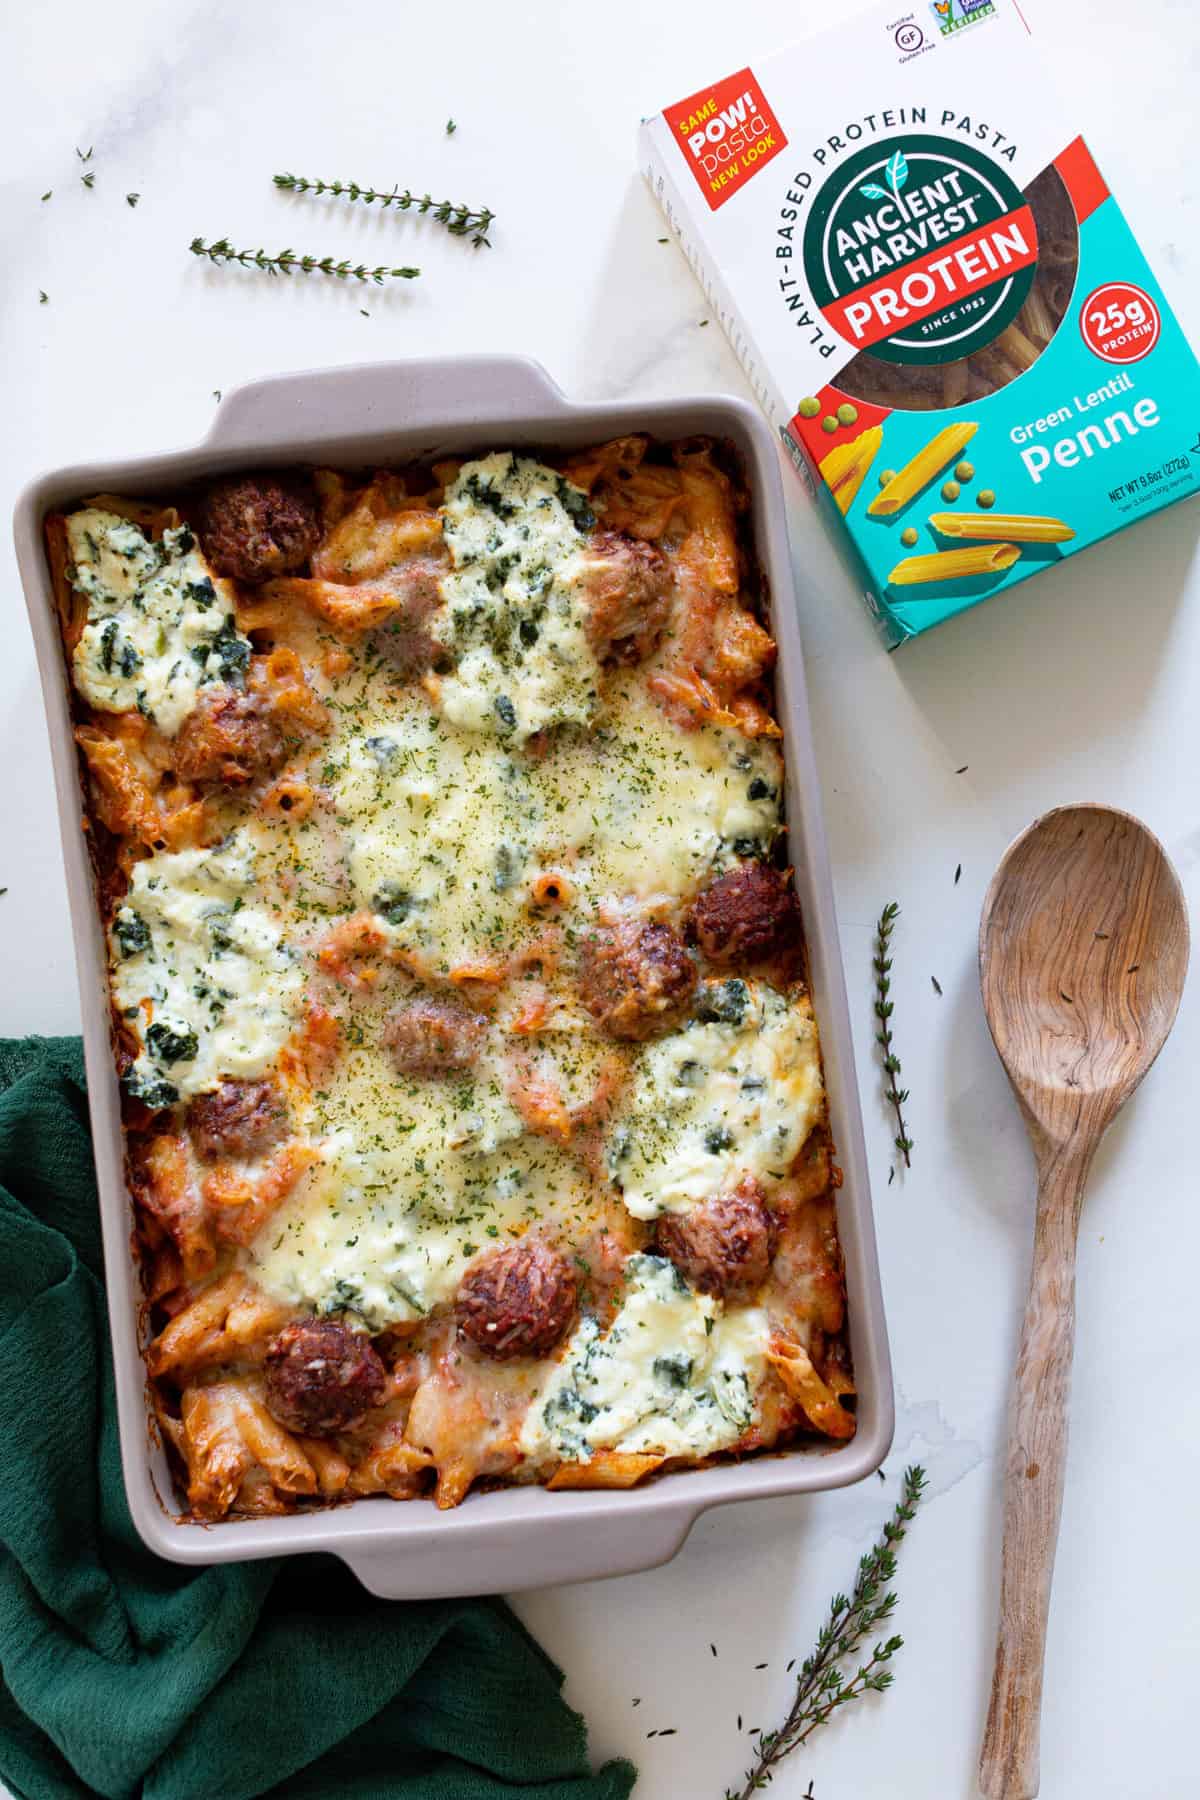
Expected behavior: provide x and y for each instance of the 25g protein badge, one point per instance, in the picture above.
(940, 305)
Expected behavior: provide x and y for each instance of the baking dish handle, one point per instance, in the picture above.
(445, 391)
(535, 1556)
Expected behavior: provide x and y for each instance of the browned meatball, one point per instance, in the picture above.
(406, 640)
(724, 1245)
(433, 1037)
(626, 594)
(746, 915)
(228, 738)
(322, 1377)
(517, 1301)
(636, 979)
(240, 1118)
(261, 526)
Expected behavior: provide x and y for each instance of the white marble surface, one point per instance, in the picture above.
(1082, 685)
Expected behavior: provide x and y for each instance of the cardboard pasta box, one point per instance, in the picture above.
(940, 305)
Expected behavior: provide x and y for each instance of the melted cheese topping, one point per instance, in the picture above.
(419, 1175)
(449, 830)
(736, 1092)
(514, 621)
(160, 626)
(675, 1372)
(433, 814)
(202, 977)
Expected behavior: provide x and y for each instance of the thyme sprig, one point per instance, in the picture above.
(823, 1686)
(287, 262)
(460, 221)
(884, 1006)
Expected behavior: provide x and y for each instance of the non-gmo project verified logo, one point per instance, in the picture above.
(953, 15)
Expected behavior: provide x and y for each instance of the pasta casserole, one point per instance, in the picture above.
(473, 1101)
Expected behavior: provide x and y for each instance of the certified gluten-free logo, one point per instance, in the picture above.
(920, 248)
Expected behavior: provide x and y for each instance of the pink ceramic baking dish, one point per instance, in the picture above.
(517, 1537)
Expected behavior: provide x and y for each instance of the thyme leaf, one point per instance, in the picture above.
(287, 262)
(884, 1007)
(824, 1685)
(459, 220)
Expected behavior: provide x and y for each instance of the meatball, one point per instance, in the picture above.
(406, 641)
(724, 1245)
(433, 1037)
(746, 915)
(229, 739)
(322, 1377)
(240, 1118)
(517, 1301)
(258, 527)
(626, 594)
(636, 979)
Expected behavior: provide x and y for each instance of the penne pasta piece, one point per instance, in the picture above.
(271, 1446)
(954, 382)
(1019, 528)
(551, 888)
(1019, 350)
(290, 796)
(1058, 251)
(607, 1469)
(850, 463)
(920, 470)
(174, 1196)
(262, 1195)
(217, 1455)
(953, 565)
(794, 1367)
(332, 1469)
(1035, 317)
(199, 1328)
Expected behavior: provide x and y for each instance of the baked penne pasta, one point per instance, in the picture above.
(608, 1469)
(437, 824)
(954, 565)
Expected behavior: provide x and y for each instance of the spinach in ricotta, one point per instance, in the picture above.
(159, 626)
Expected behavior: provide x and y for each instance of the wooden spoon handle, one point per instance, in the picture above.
(1033, 1489)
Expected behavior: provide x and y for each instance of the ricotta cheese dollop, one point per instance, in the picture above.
(514, 620)
(202, 977)
(675, 1372)
(737, 1091)
(160, 626)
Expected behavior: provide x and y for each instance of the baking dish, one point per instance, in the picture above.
(518, 1537)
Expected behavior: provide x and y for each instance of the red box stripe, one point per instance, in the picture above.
(1085, 184)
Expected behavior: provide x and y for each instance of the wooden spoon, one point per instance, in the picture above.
(1083, 952)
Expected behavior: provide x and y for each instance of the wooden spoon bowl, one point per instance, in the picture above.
(1083, 954)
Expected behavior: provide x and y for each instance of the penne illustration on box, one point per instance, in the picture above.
(940, 306)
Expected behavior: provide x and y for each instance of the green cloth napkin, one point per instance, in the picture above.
(127, 1676)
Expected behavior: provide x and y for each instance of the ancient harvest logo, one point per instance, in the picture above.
(952, 15)
(920, 249)
(726, 133)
